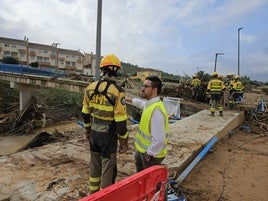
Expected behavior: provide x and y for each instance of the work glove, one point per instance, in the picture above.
(88, 133)
(123, 145)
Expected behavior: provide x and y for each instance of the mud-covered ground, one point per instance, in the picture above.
(234, 170)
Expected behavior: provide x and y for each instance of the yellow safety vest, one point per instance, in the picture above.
(238, 86)
(215, 86)
(195, 82)
(143, 136)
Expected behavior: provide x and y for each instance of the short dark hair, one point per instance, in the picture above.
(156, 83)
(110, 70)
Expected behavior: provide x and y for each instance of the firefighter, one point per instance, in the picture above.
(215, 88)
(195, 84)
(105, 119)
(237, 90)
(230, 82)
(152, 135)
(220, 77)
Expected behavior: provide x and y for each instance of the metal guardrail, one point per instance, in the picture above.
(22, 69)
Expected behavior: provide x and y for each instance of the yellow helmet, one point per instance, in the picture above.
(220, 77)
(237, 77)
(215, 74)
(230, 75)
(110, 60)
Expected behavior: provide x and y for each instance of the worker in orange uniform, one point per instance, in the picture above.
(195, 84)
(105, 118)
(152, 135)
(215, 88)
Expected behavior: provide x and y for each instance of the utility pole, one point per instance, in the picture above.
(98, 40)
(216, 60)
(55, 45)
(238, 52)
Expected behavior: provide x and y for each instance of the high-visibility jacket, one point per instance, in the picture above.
(231, 83)
(143, 136)
(104, 102)
(238, 86)
(196, 82)
(215, 86)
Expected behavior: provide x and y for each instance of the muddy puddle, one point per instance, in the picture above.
(10, 144)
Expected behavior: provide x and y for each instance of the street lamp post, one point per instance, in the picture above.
(98, 40)
(238, 52)
(55, 45)
(216, 60)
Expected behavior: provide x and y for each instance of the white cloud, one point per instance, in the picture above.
(171, 35)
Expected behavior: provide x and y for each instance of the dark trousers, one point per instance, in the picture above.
(141, 163)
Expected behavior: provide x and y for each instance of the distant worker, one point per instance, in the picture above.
(105, 119)
(220, 77)
(237, 90)
(215, 88)
(195, 84)
(230, 82)
(152, 136)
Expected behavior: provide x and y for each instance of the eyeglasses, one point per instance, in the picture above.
(145, 86)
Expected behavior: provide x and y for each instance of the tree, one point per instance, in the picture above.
(10, 60)
(35, 64)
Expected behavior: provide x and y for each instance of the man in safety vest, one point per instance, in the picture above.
(105, 118)
(152, 136)
(215, 88)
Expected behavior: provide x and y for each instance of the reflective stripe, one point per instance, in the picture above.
(143, 135)
(106, 108)
(94, 179)
(124, 136)
(94, 188)
(120, 118)
(87, 125)
(138, 142)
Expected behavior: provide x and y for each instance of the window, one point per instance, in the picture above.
(40, 58)
(46, 59)
(14, 54)
(67, 63)
(6, 53)
(73, 63)
(13, 46)
(6, 45)
(45, 51)
(32, 58)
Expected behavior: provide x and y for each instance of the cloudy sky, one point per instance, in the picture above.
(175, 36)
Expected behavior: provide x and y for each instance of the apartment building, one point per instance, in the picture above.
(48, 56)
